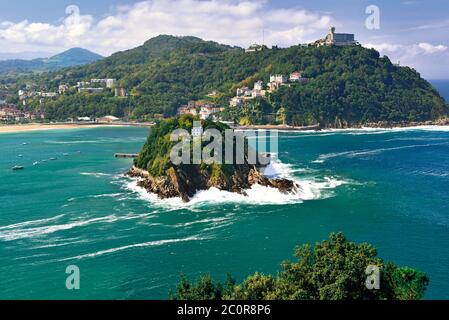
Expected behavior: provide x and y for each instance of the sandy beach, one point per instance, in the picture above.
(39, 127)
(56, 126)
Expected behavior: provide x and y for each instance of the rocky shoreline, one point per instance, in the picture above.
(184, 183)
(388, 124)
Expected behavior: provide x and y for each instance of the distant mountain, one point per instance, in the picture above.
(69, 58)
(24, 55)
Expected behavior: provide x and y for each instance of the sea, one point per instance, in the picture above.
(75, 208)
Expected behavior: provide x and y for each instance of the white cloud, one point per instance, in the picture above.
(429, 48)
(236, 22)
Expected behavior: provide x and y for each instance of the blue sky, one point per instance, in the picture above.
(414, 32)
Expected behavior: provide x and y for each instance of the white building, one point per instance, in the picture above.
(255, 48)
(258, 85)
(63, 88)
(337, 39)
(245, 91)
(278, 78)
(110, 83)
(236, 102)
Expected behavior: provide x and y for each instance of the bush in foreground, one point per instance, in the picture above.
(335, 269)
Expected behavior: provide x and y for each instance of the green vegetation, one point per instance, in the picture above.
(348, 85)
(333, 270)
(155, 154)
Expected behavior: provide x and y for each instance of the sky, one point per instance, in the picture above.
(412, 32)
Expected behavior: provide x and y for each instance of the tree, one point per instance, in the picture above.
(333, 269)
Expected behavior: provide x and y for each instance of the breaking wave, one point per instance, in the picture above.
(361, 153)
(137, 245)
(310, 188)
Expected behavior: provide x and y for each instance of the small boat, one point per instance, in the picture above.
(36, 163)
(15, 168)
(24, 143)
(53, 159)
(65, 154)
(20, 156)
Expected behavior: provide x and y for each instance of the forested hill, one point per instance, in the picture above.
(348, 85)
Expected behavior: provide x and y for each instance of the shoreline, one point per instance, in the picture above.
(368, 126)
(30, 127)
(17, 128)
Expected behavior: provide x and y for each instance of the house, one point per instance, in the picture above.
(295, 76)
(258, 86)
(256, 48)
(108, 119)
(279, 78)
(244, 91)
(336, 39)
(186, 109)
(273, 86)
(63, 88)
(108, 83)
(208, 110)
(258, 93)
(236, 102)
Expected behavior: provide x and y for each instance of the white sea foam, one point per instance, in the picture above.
(107, 195)
(137, 245)
(369, 152)
(19, 232)
(309, 188)
(30, 223)
(95, 174)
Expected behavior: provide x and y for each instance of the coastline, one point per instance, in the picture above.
(17, 128)
(368, 126)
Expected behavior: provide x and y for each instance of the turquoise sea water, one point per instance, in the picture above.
(389, 188)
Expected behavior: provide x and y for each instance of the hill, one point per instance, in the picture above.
(69, 58)
(348, 85)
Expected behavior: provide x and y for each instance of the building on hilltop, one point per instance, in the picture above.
(336, 39)
(256, 48)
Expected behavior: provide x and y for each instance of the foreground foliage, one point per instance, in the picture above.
(333, 270)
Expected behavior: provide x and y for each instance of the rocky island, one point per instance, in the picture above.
(158, 175)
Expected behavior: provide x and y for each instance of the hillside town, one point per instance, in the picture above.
(20, 110)
(206, 110)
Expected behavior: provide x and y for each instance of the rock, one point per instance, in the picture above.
(184, 183)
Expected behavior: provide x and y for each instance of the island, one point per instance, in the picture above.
(157, 174)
